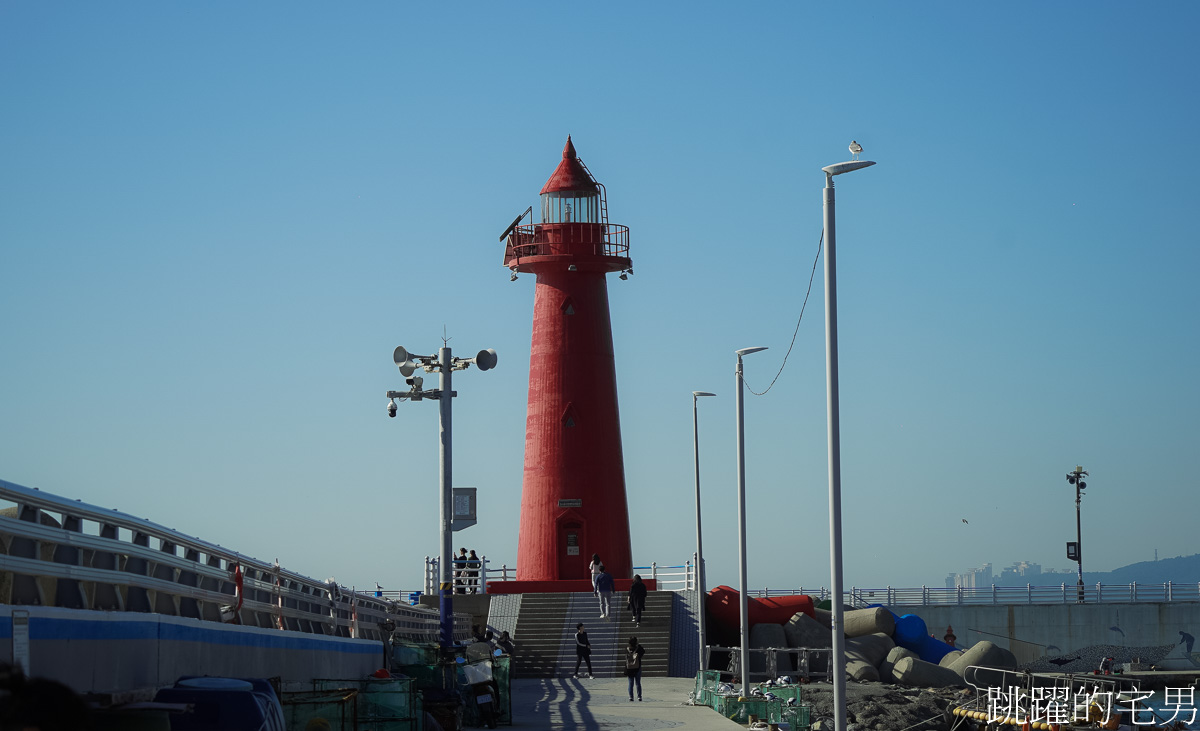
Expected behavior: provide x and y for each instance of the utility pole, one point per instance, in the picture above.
(1075, 550)
(443, 364)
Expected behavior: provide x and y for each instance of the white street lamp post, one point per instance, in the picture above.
(838, 670)
(741, 471)
(700, 586)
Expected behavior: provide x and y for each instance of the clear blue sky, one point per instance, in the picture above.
(218, 219)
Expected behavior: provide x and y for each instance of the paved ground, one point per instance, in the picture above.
(603, 704)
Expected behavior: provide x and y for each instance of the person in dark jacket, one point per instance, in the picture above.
(505, 641)
(583, 650)
(604, 589)
(637, 599)
(459, 564)
(473, 566)
(633, 666)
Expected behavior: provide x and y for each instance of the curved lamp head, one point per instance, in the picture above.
(697, 394)
(847, 167)
(748, 351)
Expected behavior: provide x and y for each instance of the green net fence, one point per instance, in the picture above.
(784, 692)
(798, 717)
(380, 704)
(706, 686)
(502, 672)
(489, 680)
(744, 710)
(336, 708)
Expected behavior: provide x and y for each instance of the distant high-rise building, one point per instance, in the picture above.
(974, 578)
(1020, 573)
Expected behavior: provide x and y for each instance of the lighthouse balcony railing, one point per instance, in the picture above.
(568, 238)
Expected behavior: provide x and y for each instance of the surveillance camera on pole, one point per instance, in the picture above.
(444, 363)
(1075, 549)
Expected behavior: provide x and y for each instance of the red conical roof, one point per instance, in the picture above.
(570, 175)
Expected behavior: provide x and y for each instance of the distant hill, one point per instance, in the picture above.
(1181, 570)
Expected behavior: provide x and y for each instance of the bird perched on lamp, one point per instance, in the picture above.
(855, 149)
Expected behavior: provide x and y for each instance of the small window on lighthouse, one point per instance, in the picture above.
(568, 308)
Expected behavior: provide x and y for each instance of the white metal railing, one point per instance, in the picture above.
(1170, 592)
(765, 663)
(670, 578)
(682, 577)
(467, 579)
(70, 554)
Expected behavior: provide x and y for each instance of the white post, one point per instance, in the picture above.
(446, 590)
(700, 583)
(743, 604)
(743, 599)
(838, 664)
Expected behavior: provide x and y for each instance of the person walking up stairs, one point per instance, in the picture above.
(583, 650)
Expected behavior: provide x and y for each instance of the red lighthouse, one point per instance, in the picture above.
(573, 491)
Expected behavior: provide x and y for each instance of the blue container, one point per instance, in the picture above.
(912, 634)
(224, 704)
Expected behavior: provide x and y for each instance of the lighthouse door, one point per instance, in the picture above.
(572, 564)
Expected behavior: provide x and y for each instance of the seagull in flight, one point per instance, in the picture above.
(855, 149)
(965, 520)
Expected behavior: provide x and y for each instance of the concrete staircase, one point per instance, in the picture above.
(538, 635)
(545, 634)
(654, 634)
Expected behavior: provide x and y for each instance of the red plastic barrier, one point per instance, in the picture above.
(722, 605)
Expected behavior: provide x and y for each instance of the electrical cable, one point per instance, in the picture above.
(922, 723)
(811, 276)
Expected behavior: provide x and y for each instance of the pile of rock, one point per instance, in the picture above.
(872, 653)
(885, 707)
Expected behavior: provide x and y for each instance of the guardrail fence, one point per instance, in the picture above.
(1061, 594)
(66, 553)
(682, 577)
(470, 579)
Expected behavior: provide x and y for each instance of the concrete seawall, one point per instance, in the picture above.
(1029, 629)
(106, 652)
